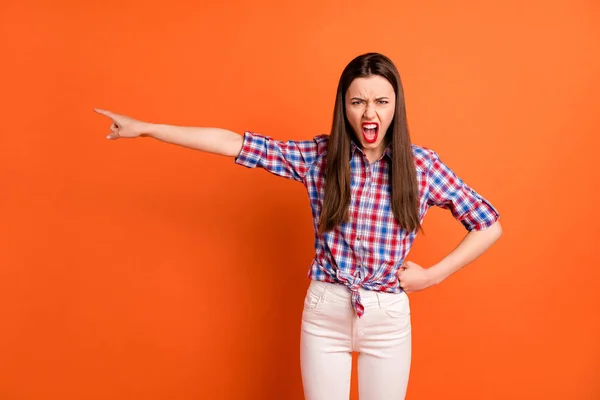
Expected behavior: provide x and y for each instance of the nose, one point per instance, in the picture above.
(369, 112)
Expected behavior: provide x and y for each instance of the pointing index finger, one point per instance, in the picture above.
(104, 112)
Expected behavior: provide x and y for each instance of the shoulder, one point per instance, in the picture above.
(316, 145)
(424, 157)
(321, 141)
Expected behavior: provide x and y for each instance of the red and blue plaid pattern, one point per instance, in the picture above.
(367, 250)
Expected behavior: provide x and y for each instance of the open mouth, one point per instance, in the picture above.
(370, 130)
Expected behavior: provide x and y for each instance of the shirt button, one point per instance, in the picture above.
(358, 238)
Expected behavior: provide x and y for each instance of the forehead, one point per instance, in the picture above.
(374, 85)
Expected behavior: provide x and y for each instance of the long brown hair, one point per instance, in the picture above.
(403, 180)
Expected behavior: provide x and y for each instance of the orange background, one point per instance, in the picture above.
(141, 270)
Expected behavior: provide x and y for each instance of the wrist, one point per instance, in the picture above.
(148, 129)
(435, 275)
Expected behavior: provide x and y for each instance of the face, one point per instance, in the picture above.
(370, 104)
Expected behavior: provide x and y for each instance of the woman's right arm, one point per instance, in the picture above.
(210, 140)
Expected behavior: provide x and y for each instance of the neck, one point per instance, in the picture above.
(373, 154)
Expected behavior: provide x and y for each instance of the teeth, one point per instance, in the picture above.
(370, 126)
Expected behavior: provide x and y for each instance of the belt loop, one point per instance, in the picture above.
(326, 287)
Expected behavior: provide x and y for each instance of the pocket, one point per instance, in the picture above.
(312, 302)
(398, 308)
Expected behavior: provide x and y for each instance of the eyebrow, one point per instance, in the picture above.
(379, 98)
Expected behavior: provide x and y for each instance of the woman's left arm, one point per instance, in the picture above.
(476, 214)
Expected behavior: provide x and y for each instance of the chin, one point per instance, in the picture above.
(371, 145)
(367, 145)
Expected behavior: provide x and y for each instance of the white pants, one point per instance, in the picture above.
(331, 331)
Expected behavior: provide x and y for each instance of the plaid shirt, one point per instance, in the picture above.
(367, 250)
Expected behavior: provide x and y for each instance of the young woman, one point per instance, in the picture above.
(369, 190)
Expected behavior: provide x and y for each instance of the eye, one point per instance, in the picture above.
(356, 102)
(383, 101)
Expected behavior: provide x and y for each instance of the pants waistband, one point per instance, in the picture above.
(338, 292)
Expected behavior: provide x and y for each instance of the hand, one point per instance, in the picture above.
(413, 277)
(123, 126)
